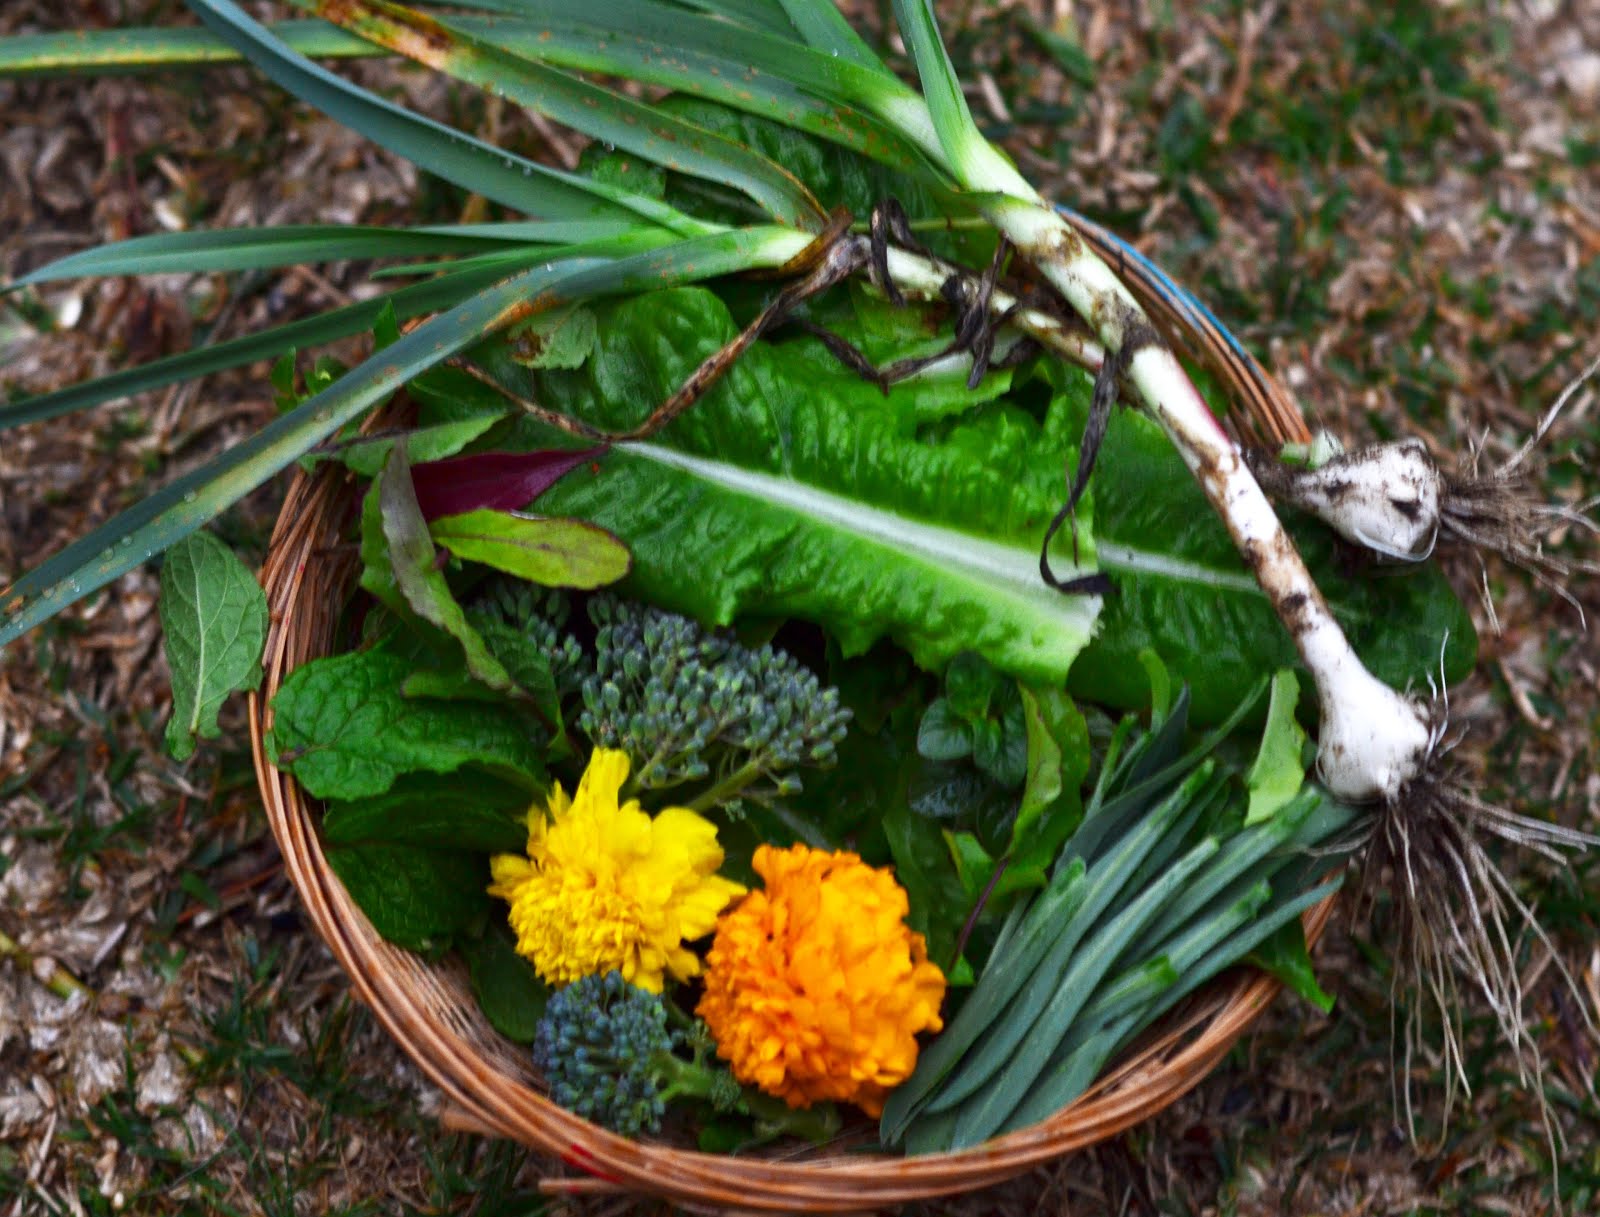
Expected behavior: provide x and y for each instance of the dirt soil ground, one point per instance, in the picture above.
(1397, 207)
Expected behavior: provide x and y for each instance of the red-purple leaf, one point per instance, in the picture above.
(498, 481)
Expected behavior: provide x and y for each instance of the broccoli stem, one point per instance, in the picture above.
(681, 1079)
(729, 787)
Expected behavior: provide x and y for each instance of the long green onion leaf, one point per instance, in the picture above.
(466, 161)
(110, 52)
(189, 502)
(601, 114)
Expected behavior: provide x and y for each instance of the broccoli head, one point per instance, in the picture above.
(607, 1051)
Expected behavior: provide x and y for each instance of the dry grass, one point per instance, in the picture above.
(1401, 212)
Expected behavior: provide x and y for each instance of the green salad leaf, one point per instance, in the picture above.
(1278, 772)
(417, 897)
(793, 488)
(343, 728)
(213, 624)
(1183, 592)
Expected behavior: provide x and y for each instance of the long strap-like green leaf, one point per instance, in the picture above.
(442, 292)
(470, 163)
(209, 251)
(602, 114)
(98, 53)
(179, 508)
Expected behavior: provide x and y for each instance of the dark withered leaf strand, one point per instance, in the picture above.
(668, 693)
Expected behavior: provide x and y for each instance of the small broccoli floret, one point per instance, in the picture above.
(607, 1052)
(525, 627)
(691, 705)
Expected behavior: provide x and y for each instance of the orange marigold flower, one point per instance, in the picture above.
(815, 988)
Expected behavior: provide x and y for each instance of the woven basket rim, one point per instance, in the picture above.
(455, 1048)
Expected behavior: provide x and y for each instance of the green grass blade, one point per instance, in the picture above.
(457, 281)
(1039, 930)
(232, 249)
(823, 26)
(1072, 1075)
(601, 114)
(187, 503)
(1106, 881)
(455, 156)
(110, 52)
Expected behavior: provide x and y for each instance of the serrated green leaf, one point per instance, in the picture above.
(1184, 593)
(213, 625)
(447, 812)
(544, 550)
(343, 728)
(415, 897)
(1278, 772)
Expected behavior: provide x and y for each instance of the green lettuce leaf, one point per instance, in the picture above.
(793, 488)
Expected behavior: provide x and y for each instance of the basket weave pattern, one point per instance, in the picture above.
(489, 1083)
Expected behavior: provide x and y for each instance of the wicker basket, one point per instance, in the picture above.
(489, 1083)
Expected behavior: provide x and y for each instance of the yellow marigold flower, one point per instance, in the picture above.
(815, 988)
(606, 887)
